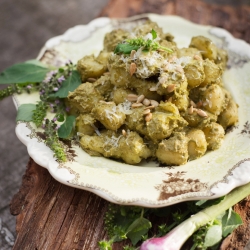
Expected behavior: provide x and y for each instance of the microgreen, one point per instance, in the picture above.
(139, 42)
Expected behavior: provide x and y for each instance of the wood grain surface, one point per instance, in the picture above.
(53, 216)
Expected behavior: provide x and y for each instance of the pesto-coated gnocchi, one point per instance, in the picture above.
(143, 97)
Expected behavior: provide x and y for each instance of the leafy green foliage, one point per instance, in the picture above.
(24, 112)
(70, 84)
(34, 75)
(122, 222)
(126, 222)
(137, 43)
(23, 73)
(213, 235)
(66, 128)
(230, 221)
(139, 227)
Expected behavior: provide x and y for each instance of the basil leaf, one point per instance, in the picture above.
(25, 112)
(66, 128)
(36, 62)
(125, 48)
(138, 228)
(22, 73)
(69, 85)
(154, 34)
(230, 221)
(213, 235)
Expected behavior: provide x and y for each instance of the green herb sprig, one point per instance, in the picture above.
(53, 86)
(52, 140)
(137, 43)
(39, 113)
(125, 222)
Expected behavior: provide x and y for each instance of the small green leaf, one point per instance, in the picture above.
(208, 203)
(66, 128)
(25, 112)
(60, 117)
(213, 235)
(125, 48)
(137, 229)
(69, 85)
(230, 221)
(23, 73)
(154, 34)
(123, 211)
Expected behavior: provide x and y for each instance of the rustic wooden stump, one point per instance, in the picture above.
(54, 216)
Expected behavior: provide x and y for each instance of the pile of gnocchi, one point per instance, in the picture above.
(165, 105)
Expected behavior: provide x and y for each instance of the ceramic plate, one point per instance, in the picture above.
(148, 184)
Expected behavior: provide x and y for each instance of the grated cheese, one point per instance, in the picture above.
(125, 107)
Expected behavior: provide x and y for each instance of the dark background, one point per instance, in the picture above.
(25, 25)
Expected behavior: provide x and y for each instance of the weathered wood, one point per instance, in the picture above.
(54, 216)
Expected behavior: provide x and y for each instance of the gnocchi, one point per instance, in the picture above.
(143, 97)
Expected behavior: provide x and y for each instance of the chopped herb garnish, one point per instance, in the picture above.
(137, 43)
